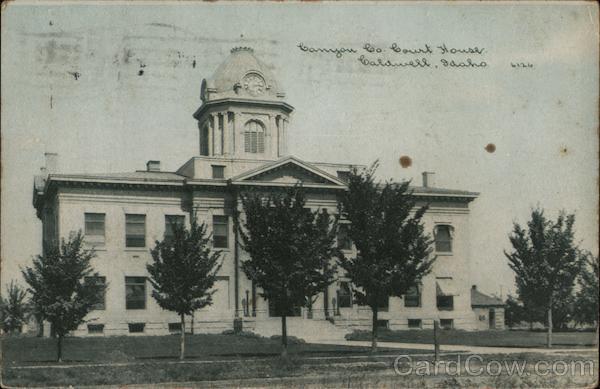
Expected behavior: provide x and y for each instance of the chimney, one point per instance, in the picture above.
(153, 166)
(474, 287)
(428, 179)
(51, 163)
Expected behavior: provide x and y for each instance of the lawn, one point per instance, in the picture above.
(30, 361)
(32, 350)
(483, 338)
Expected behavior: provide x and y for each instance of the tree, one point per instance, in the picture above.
(290, 249)
(546, 262)
(183, 272)
(14, 310)
(514, 312)
(586, 308)
(63, 286)
(393, 250)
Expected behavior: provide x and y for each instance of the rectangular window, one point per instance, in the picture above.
(443, 239)
(445, 303)
(344, 295)
(220, 231)
(447, 324)
(95, 328)
(100, 303)
(135, 230)
(94, 228)
(412, 298)
(170, 221)
(135, 292)
(414, 323)
(218, 171)
(175, 328)
(343, 239)
(136, 327)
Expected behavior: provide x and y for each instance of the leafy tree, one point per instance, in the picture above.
(393, 250)
(586, 308)
(14, 310)
(183, 272)
(58, 285)
(290, 249)
(546, 262)
(514, 312)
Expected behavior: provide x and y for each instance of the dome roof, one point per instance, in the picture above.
(241, 75)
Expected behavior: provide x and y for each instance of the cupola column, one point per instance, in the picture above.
(226, 134)
(272, 135)
(218, 137)
(211, 132)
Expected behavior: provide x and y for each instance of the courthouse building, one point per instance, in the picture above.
(243, 131)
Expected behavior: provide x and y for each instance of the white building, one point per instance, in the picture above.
(243, 129)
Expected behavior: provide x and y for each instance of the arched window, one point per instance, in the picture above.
(443, 235)
(254, 137)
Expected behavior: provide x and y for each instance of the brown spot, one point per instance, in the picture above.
(405, 161)
(490, 147)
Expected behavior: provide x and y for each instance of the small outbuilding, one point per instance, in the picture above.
(488, 310)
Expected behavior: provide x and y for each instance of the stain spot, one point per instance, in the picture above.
(194, 64)
(490, 147)
(559, 102)
(141, 72)
(405, 161)
(126, 55)
(75, 75)
(50, 23)
(564, 151)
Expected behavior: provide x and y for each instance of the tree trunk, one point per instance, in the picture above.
(59, 346)
(374, 331)
(182, 342)
(192, 324)
(549, 335)
(283, 336)
(40, 323)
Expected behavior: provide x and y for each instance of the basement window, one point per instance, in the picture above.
(136, 328)
(95, 329)
(414, 323)
(175, 328)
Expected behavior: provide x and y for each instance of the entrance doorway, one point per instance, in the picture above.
(492, 318)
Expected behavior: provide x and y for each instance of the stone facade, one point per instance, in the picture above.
(243, 124)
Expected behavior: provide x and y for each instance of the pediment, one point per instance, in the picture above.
(286, 172)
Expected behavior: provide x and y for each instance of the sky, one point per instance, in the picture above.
(110, 86)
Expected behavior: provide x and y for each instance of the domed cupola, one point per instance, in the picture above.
(241, 75)
(243, 113)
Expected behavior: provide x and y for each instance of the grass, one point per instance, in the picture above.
(142, 360)
(32, 350)
(483, 338)
(30, 361)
